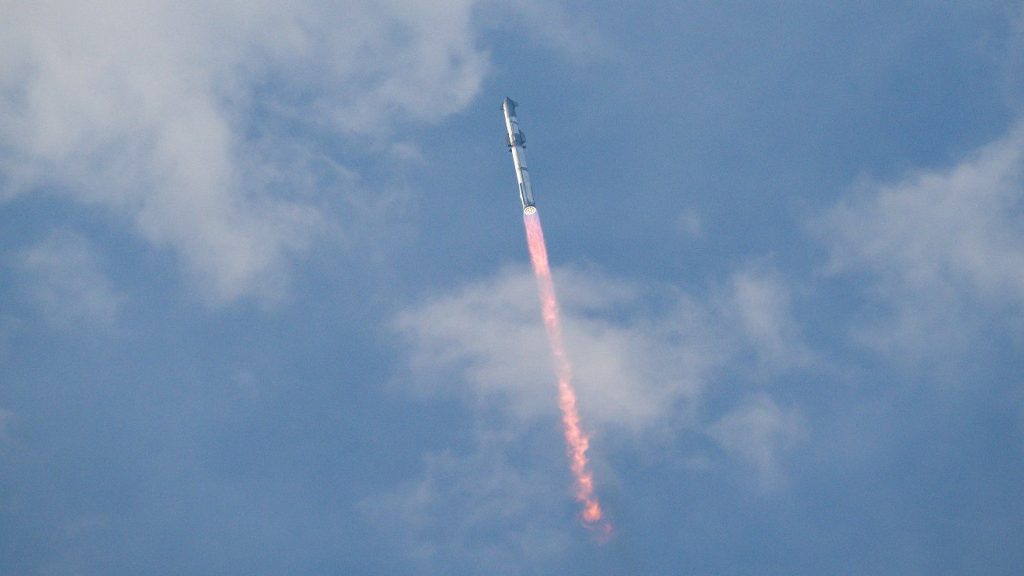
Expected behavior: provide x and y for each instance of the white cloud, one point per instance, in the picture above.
(63, 276)
(757, 431)
(487, 335)
(758, 300)
(634, 372)
(643, 357)
(650, 362)
(474, 513)
(941, 247)
(168, 113)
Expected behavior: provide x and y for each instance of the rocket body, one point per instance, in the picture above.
(517, 145)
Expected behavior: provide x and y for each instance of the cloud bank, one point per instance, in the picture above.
(178, 116)
(645, 358)
(943, 248)
(651, 363)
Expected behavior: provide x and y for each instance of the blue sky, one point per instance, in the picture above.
(265, 304)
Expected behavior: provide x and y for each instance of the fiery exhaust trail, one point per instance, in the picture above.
(576, 441)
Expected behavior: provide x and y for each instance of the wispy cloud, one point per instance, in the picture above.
(943, 248)
(569, 32)
(473, 513)
(174, 115)
(689, 223)
(651, 363)
(65, 279)
(644, 357)
(758, 301)
(758, 431)
(627, 372)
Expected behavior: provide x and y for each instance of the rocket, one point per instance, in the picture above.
(517, 145)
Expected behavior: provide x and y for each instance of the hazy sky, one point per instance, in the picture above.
(266, 307)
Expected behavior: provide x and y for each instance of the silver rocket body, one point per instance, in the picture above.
(517, 145)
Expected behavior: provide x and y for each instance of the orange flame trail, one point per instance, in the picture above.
(577, 442)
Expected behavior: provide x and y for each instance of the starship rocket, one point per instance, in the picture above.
(517, 145)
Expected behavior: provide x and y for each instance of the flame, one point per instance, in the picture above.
(576, 440)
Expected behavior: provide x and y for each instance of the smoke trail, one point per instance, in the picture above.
(576, 441)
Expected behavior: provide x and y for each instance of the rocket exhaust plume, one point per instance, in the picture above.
(576, 441)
